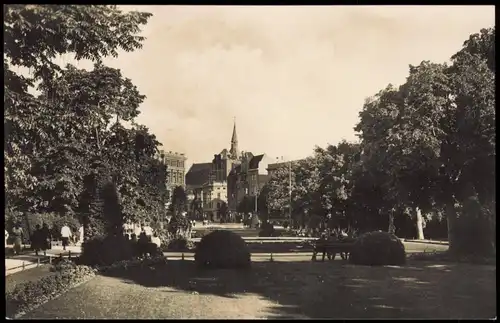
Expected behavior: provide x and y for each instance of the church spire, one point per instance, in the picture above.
(235, 154)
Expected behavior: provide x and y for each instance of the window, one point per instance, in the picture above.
(218, 196)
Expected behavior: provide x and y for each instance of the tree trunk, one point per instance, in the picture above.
(451, 217)
(420, 227)
(392, 227)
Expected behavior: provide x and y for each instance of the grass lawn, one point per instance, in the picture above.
(33, 274)
(284, 289)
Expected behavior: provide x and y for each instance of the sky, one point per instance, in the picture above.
(292, 77)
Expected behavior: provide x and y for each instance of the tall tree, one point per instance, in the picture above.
(436, 133)
(179, 200)
(34, 35)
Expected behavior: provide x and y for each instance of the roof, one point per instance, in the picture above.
(254, 162)
(198, 174)
(199, 166)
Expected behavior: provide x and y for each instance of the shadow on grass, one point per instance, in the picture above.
(337, 289)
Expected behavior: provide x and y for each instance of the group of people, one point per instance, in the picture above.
(41, 237)
(143, 234)
(144, 237)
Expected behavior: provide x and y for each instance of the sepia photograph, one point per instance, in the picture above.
(249, 162)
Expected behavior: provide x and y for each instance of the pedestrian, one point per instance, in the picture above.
(142, 243)
(6, 237)
(148, 231)
(17, 232)
(66, 234)
(47, 238)
(156, 240)
(36, 239)
(80, 234)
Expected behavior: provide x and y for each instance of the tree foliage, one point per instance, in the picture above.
(427, 145)
(179, 200)
(65, 147)
(433, 137)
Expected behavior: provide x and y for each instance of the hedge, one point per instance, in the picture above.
(29, 295)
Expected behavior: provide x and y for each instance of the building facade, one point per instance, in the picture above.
(206, 183)
(176, 169)
(247, 179)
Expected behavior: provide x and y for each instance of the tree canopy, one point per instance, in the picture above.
(427, 145)
(65, 143)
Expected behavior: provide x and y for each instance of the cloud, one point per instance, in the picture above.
(294, 77)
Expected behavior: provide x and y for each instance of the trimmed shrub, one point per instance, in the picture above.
(30, 294)
(62, 264)
(378, 249)
(178, 244)
(105, 250)
(222, 249)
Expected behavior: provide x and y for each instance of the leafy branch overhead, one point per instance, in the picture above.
(72, 130)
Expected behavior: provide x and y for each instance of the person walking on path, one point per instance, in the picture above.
(17, 232)
(80, 234)
(37, 239)
(46, 238)
(65, 235)
(6, 237)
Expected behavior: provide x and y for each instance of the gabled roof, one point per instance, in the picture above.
(199, 166)
(254, 162)
(198, 174)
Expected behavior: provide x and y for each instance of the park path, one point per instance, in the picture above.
(30, 260)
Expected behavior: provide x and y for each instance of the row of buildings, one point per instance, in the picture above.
(228, 178)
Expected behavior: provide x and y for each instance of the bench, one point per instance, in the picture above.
(331, 247)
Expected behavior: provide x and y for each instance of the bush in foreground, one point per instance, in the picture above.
(222, 249)
(378, 249)
(62, 264)
(106, 250)
(30, 294)
(179, 243)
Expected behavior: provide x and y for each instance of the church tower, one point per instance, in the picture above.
(234, 152)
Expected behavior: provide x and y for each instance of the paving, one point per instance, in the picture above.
(30, 260)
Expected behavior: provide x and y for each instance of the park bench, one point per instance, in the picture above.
(331, 247)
